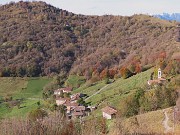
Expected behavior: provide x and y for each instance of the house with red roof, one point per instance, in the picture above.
(77, 114)
(75, 97)
(62, 90)
(109, 112)
(62, 101)
(78, 111)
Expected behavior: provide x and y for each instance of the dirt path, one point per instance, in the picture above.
(165, 123)
(34, 98)
(97, 92)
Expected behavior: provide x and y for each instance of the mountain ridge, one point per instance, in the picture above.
(169, 17)
(38, 39)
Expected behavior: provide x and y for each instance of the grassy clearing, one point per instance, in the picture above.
(75, 81)
(91, 89)
(150, 122)
(34, 88)
(171, 122)
(117, 90)
(22, 87)
(29, 89)
(12, 85)
(24, 109)
(4, 110)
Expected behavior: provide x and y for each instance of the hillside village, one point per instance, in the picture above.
(75, 109)
(69, 74)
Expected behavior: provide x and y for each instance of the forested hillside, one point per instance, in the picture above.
(37, 39)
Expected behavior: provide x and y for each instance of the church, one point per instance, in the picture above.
(159, 79)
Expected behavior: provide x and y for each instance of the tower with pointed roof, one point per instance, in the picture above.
(159, 73)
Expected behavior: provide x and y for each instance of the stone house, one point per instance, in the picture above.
(62, 101)
(62, 90)
(109, 112)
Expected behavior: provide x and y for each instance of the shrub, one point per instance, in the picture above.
(37, 114)
(125, 72)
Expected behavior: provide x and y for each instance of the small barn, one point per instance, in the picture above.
(109, 112)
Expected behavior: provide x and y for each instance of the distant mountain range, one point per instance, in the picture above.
(170, 17)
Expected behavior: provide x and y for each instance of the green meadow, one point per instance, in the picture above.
(99, 93)
(28, 89)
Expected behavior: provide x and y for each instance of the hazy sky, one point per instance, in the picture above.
(115, 7)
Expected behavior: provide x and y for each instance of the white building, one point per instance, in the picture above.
(62, 90)
(58, 92)
(109, 112)
(159, 73)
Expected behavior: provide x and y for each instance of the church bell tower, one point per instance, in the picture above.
(159, 73)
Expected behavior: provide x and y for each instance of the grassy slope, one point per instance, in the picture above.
(34, 88)
(29, 88)
(26, 107)
(75, 81)
(150, 122)
(22, 87)
(90, 90)
(12, 86)
(115, 91)
(171, 121)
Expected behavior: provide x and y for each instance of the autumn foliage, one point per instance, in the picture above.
(38, 39)
(125, 72)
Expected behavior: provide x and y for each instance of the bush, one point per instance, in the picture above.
(125, 72)
(106, 81)
(37, 114)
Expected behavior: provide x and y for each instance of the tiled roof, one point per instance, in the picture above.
(77, 114)
(79, 108)
(58, 90)
(162, 79)
(63, 89)
(158, 81)
(67, 89)
(63, 99)
(109, 110)
(75, 96)
(71, 104)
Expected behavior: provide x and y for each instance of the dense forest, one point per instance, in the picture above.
(37, 39)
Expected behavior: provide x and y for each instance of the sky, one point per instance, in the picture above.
(114, 7)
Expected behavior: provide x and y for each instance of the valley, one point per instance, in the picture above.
(73, 74)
